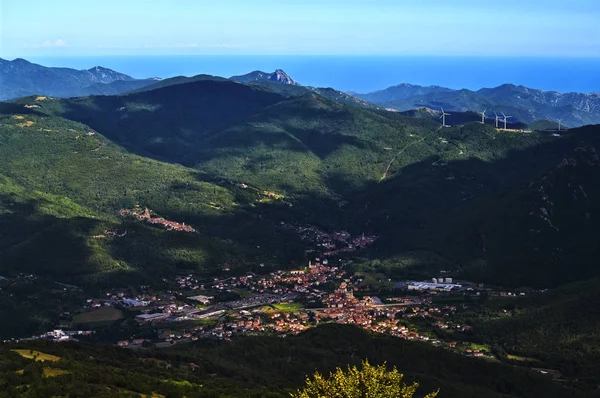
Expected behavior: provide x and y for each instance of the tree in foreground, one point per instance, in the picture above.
(368, 382)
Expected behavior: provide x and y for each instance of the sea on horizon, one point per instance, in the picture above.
(362, 73)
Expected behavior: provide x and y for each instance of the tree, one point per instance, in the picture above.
(368, 382)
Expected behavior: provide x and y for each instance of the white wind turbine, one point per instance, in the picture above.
(496, 119)
(483, 116)
(559, 124)
(443, 117)
(505, 118)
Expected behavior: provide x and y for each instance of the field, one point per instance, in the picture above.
(100, 315)
(520, 358)
(37, 356)
(284, 307)
(243, 293)
(53, 372)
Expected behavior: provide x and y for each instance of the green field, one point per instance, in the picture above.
(284, 307)
(98, 315)
(37, 356)
(520, 358)
(53, 372)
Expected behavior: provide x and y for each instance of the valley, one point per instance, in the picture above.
(208, 214)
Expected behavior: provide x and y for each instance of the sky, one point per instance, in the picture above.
(316, 27)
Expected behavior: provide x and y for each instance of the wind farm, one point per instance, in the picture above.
(500, 120)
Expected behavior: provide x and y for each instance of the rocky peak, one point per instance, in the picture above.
(105, 75)
(281, 77)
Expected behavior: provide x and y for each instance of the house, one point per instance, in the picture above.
(123, 343)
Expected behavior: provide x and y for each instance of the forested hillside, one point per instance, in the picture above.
(406, 179)
(63, 184)
(514, 212)
(259, 367)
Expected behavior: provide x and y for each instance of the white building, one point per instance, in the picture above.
(202, 299)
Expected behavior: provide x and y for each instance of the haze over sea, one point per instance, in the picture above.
(363, 73)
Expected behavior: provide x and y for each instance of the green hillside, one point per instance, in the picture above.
(511, 211)
(504, 208)
(446, 193)
(172, 81)
(168, 123)
(557, 328)
(261, 367)
(62, 186)
(311, 145)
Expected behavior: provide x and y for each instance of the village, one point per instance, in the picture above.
(281, 302)
(146, 215)
(285, 302)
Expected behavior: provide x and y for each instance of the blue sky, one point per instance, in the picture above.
(344, 27)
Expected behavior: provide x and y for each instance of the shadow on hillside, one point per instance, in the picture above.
(167, 122)
(484, 215)
(10, 108)
(240, 142)
(241, 239)
(270, 362)
(43, 244)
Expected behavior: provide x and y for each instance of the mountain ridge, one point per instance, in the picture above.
(524, 103)
(21, 78)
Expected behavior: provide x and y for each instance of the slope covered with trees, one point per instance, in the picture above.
(408, 180)
(63, 184)
(261, 367)
(514, 212)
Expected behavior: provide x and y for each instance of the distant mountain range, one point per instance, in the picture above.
(19, 78)
(524, 104)
(278, 82)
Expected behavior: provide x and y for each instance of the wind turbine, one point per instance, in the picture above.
(483, 116)
(496, 119)
(443, 117)
(505, 118)
(559, 124)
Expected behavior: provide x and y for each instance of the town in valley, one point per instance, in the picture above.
(189, 307)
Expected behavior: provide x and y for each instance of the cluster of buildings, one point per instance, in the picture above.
(270, 303)
(145, 215)
(110, 233)
(131, 343)
(277, 302)
(332, 243)
(371, 313)
(440, 284)
(306, 281)
(59, 335)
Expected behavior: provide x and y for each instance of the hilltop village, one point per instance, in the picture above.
(145, 215)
